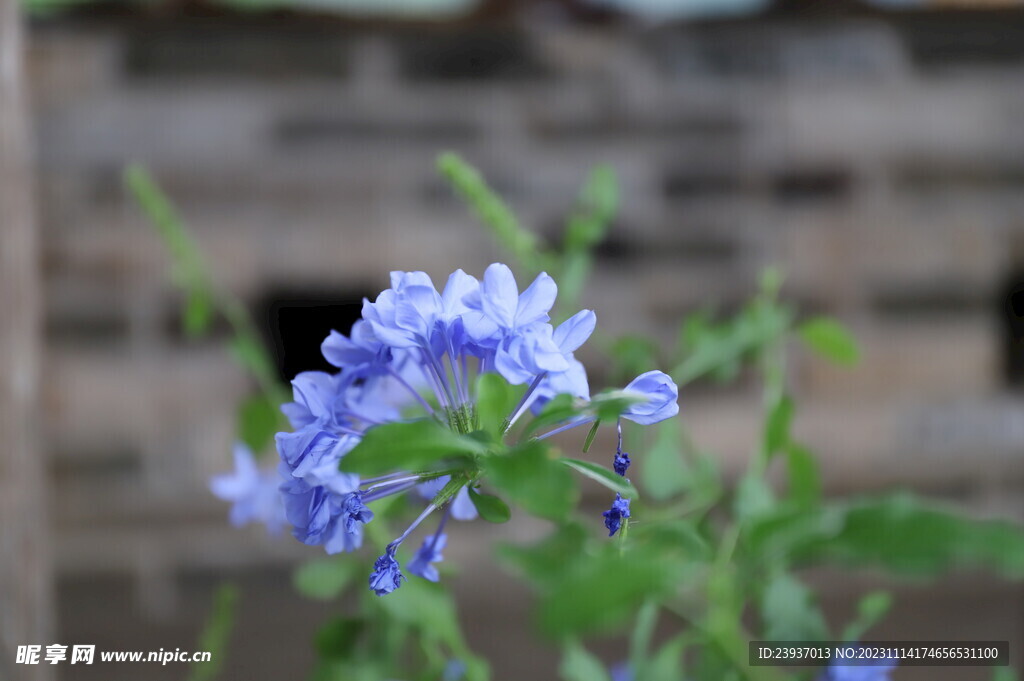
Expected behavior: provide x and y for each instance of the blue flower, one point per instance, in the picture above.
(622, 672)
(455, 670)
(313, 455)
(253, 492)
(429, 552)
(859, 670)
(387, 574)
(614, 516)
(621, 462)
(503, 309)
(354, 511)
(661, 398)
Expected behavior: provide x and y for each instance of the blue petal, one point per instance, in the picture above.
(536, 301)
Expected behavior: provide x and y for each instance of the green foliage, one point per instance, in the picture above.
(789, 612)
(870, 610)
(531, 477)
(411, 446)
(663, 471)
(579, 665)
(602, 475)
(257, 422)
(325, 578)
(216, 634)
(492, 509)
(495, 400)
(830, 339)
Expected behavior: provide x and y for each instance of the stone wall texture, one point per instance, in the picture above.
(878, 159)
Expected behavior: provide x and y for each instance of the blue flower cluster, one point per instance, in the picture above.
(415, 347)
(859, 670)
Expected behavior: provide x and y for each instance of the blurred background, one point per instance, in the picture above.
(874, 150)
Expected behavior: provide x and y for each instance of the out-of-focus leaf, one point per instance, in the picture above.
(198, 313)
(830, 339)
(753, 497)
(632, 356)
(662, 469)
(602, 475)
(905, 535)
(578, 664)
(789, 613)
(804, 478)
(410, 446)
(495, 400)
(492, 509)
(338, 638)
(776, 428)
(605, 589)
(560, 409)
(216, 634)
(870, 610)
(257, 422)
(532, 479)
(325, 578)
(595, 209)
(1004, 674)
(666, 664)
(546, 562)
(493, 212)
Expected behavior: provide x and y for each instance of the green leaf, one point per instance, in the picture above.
(605, 589)
(410, 446)
(493, 212)
(578, 664)
(546, 561)
(667, 663)
(591, 434)
(632, 356)
(870, 610)
(754, 498)
(663, 471)
(198, 313)
(338, 638)
(608, 405)
(789, 613)
(529, 477)
(216, 634)
(1004, 674)
(602, 475)
(257, 422)
(830, 339)
(906, 535)
(596, 206)
(492, 509)
(558, 410)
(804, 478)
(324, 579)
(495, 400)
(776, 429)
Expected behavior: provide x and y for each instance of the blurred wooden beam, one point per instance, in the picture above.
(25, 578)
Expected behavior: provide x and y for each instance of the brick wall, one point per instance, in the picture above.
(877, 159)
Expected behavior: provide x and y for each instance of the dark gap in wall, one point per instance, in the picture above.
(297, 320)
(941, 299)
(811, 185)
(457, 56)
(85, 461)
(1009, 309)
(318, 130)
(706, 128)
(682, 184)
(86, 327)
(957, 39)
(939, 177)
(195, 48)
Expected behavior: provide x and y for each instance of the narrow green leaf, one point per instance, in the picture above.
(804, 478)
(578, 664)
(776, 429)
(590, 436)
(602, 475)
(558, 410)
(530, 478)
(754, 498)
(667, 663)
(491, 508)
(216, 634)
(830, 339)
(198, 313)
(411, 446)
